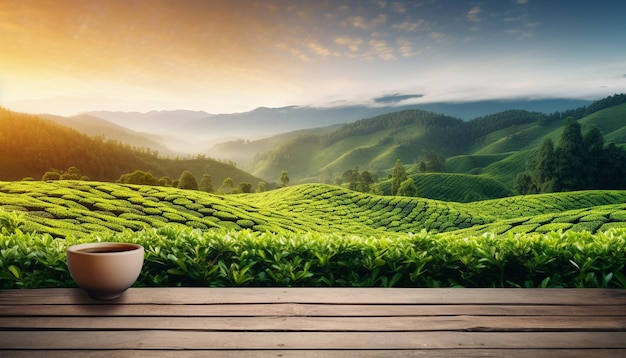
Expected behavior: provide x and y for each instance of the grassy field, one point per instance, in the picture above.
(81, 208)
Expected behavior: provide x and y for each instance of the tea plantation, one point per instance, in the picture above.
(78, 208)
(316, 235)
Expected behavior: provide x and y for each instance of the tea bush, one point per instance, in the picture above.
(181, 256)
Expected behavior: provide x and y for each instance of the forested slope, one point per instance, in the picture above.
(498, 146)
(30, 146)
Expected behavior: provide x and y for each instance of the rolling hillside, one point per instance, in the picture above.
(496, 147)
(94, 126)
(78, 208)
(30, 146)
(455, 187)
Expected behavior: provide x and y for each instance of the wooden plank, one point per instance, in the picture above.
(303, 322)
(38, 340)
(435, 353)
(326, 324)
(343, 295)
(517, 353)
(303, 309)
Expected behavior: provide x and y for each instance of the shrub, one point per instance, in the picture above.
(10, 222)
(177, 255)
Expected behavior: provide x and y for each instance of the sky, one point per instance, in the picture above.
(68, 56)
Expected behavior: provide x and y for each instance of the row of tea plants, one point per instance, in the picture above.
(79, 208)
(178, 256)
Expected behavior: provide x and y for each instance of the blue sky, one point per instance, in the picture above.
(68, 56)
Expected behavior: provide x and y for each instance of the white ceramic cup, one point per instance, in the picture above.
(105, 269)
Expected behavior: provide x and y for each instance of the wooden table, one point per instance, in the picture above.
(329, 322)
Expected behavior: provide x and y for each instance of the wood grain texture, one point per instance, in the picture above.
(294, 310)
(290, 353)
(306, 322)
(342, 295)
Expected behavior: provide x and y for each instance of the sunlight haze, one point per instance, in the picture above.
(69, 56)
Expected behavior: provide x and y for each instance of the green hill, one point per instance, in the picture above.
(454, 187)
(31, 146)
(64, 208)
(497, 146)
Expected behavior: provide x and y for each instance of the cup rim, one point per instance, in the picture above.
(129, 248)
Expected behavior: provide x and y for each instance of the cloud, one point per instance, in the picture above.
(408, 26)
(319, 49)
(358, 22)
(379, 20)
(437, 36)
(474, 14)
(361, 22)
(382, 50)
(405, 47)
(295, 52)
(398, 7)
(353, 44)
(524, 32)
(395, 98)
(514, 19)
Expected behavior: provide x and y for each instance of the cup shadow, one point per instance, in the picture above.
(91, 306)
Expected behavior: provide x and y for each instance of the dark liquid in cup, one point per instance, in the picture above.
(102, 250)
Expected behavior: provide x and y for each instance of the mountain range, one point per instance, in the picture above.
(197, 131)
(311, 144)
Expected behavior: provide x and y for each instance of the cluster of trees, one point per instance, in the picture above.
(189, 181)
(72, 173)
(356, 180)
(401, 184)
(584, 111)
(432, 162)
(579, 161)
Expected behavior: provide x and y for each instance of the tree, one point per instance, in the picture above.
(366, 181)
(544, 174)
(352, 177)
(51, 175)
(245, 188)
(187, 181)
(407, 188)
(260, 187)
(596, 157)
(579, 162)
(398, 176)
(571, 157)
(72, 173)
(227, 186)
(613, 173)
(432, 162)
(524, 184)
(206, 183)
(284, 178)
(166, 181)
(138, 177)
